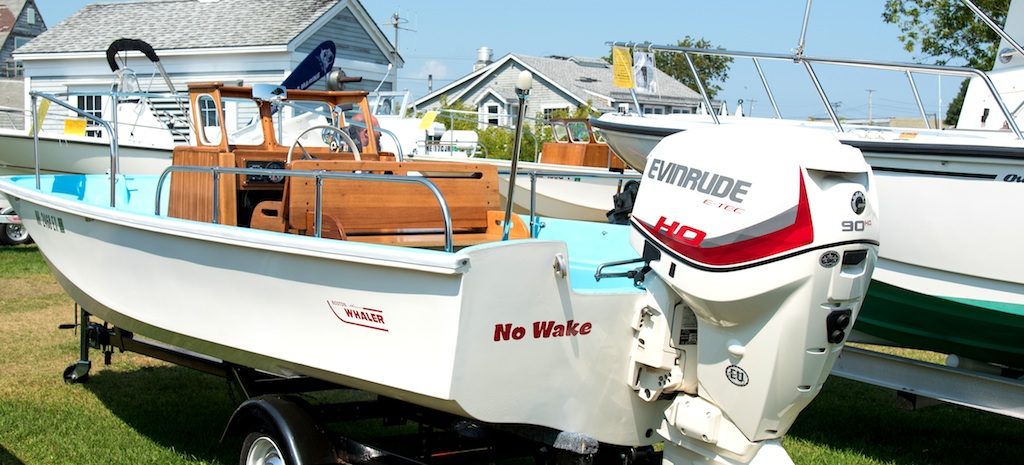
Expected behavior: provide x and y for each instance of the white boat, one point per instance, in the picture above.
(414, 136)
(62, 153)
(948, 268)
(722, 333)
(82, 141)
(566, 187)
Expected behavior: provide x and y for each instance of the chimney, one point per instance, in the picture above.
(484, 57)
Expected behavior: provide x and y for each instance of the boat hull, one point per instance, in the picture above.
(427, 328)
(975, 329)
(948, 274)
(570, 196)
(78, 155)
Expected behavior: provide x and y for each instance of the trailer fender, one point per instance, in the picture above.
(304, 441)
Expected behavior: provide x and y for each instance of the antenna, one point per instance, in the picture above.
(396, 22)
(871, 122)
(803, 30)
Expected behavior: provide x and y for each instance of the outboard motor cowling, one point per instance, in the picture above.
(761, 243)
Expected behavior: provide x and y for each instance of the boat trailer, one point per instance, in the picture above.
(275, 408)
(978, 387)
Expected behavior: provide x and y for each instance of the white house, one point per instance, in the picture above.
(233, 41)
(560, 83)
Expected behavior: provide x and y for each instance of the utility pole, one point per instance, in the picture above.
(870, 120)
(396, 22)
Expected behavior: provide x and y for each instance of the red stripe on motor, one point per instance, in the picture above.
(794, 236)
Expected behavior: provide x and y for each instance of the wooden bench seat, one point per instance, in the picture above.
(392, 213)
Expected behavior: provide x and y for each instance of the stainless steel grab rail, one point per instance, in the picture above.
(807, 61)
(111, 129)
(37, 125)
(319, 176)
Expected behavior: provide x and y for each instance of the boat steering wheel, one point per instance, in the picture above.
(323, 127)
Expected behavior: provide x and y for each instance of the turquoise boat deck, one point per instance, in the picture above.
(589, 244)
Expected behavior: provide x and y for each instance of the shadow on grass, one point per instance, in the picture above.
(21, 250)
(176, 407)
(184, 410)
(7, 458)
(861, 418)
(20, 260)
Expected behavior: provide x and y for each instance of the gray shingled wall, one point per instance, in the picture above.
(12, 95)
(21, 28)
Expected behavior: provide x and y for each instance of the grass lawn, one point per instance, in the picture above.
(141, 411)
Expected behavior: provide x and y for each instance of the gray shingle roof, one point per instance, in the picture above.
(579, 74)
(178, 24)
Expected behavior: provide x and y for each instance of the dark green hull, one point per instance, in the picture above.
(980, 330)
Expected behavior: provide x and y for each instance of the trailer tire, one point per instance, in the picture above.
(261, 448)
(13, 234)
(286, 422)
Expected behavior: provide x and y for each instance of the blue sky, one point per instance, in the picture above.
(445, 35)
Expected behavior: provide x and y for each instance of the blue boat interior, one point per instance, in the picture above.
(589, 243)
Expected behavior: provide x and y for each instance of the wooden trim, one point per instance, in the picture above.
(192, 193)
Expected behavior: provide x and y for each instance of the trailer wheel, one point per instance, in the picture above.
(261, 448)
(13, 234)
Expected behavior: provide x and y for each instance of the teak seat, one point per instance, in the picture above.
(392, 213)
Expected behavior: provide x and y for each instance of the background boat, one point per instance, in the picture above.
(947, 266)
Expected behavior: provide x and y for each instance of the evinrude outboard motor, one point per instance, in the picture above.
(760, 244)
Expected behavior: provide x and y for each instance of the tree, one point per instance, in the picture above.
(945, 31)
(713, 70)
(498, 142)
(459, 118)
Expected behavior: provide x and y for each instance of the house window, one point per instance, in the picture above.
(681, 111)
(12, 69)
(490, 115)
(654, 110)
(30, 15)
(548, 112)
(93, 105)
(19, 41)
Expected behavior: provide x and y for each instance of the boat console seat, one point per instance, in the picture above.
(393, 213)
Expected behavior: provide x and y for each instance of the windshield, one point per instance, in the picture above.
(579, 132)
(294, 117)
